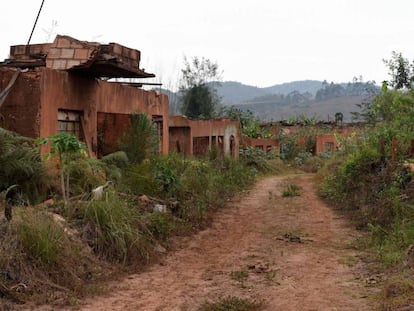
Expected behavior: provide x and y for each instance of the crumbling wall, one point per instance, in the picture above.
(326, 143)
(66, 52)
(180, 140)
(111, 127)
(69, 91)
(201, 145)
(265, 144)
(20, 111)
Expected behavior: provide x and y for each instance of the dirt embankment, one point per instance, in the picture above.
(293, 253)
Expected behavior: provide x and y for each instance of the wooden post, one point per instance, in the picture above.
(382, 148)
(394, 149)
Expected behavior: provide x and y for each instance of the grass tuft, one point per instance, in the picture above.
(232, 303)
(291, 190)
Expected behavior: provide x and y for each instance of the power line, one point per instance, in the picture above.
(34, 26)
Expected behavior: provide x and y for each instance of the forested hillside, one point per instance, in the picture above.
(318, 99)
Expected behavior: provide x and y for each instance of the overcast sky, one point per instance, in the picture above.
(255, 42)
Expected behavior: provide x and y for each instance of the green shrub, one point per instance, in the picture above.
(141, 140)
(118, 159)
(160, 225)
(20, 165)
(115, 163)
(256, 158)
(85, 174)
(139, 179)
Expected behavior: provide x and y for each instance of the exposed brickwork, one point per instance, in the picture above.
(66, 52)
(21, 110)
(27, 51)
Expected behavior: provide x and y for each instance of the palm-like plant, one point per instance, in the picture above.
(20, 165)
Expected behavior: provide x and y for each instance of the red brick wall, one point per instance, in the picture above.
(179, 138)
(21, 110)
(32, 105)
(322, 140)
(63, 90)
(111, 127)
(66, 52)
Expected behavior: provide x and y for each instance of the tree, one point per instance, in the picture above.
(198, 96)
(400, 70)
(141, 140)
(249, 123)
(65, 146)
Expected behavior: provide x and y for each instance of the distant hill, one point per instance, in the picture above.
(235, 92)
(282, 101)
(322, 110)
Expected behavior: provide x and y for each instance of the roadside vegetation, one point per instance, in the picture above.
(72, 221)
(371, 179)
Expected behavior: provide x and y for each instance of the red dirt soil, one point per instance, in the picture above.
(295, 250)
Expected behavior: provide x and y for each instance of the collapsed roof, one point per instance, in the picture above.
(90, 58)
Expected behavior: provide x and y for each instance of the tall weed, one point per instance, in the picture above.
(115, 231)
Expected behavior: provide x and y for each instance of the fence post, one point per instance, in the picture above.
(394, 149)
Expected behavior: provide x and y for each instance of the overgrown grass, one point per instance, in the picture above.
(38, 259)
(232, 303)
(41, 237)
(378, 195)
(65, 255)
(198, 185)
(291, 190)
(115, 230)
(398, 292)
(240, 276)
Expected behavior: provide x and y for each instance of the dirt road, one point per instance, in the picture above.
(293, 253)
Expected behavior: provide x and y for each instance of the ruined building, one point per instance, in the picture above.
(198, 137)
(63, 87)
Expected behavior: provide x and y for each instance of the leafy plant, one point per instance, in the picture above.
(140, 141)
(250, 124)
(20, 165)
(65, 146)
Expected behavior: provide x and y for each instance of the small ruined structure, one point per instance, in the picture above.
(326, 143)
(198, 137)
(267, 145)
(63, 87)
(331, 142)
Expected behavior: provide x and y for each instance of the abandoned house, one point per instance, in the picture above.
(267, 145)
(63, 87)
(191, 137)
